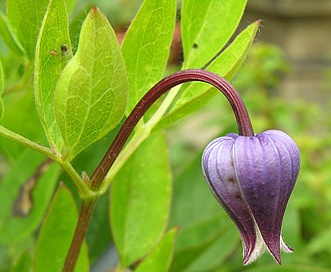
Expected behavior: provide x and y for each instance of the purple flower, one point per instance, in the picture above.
(253, 178)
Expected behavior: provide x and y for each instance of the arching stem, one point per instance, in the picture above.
(244, 127)
(239, 109)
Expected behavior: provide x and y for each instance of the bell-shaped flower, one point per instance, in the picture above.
(253, 178)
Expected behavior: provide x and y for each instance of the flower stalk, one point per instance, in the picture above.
(97, 178)
(240, 111)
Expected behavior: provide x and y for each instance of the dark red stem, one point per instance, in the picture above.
(80, 232)
(242, 117)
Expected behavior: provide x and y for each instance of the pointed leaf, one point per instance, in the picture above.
(196, 95)
(91, 94)
(140, 200)
(146, 46)
(9, 37)
(49, 62)
(25, 193)
(206, 28)
(160, 257)
(54, 242)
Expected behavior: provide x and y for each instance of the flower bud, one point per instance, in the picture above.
(253, 178)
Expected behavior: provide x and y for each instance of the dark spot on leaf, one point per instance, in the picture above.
(64, 49)
(195, 46)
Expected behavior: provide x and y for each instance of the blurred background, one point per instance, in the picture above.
(286, 84)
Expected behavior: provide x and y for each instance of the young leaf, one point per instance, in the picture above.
(91, 94)
(206, 28)
(8, 36)
(140, 200)
(1, 88)
(196, 95)
(49, 62)
(160, 257)
(146, 46)
(56, 235)
(25, 193)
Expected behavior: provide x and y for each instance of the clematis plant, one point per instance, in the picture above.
(84, 90)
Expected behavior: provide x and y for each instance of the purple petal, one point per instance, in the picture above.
(219, 172)
(267, 166)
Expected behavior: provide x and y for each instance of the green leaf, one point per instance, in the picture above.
(185, 257)
(146, 46)
(91, 94)
(24, 121)
(9, 37)
(49, 62)
(196, 95)
(24, 263)
(218, 252)
(140, 200)
(25, 17)
(54, 242)
(1, 89)
(25, 193)
(206, 28)
(160, 257)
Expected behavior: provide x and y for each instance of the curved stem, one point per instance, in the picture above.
(242, 117)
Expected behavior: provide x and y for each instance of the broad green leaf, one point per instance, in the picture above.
(9, 37)
(160, 257)
(206, 28)
(1, 88)
(196, 95)
(49, 62)
(56, 234)
(146, 46)
(25, 17)
(91, 94)
(140, 200)
(25, 193)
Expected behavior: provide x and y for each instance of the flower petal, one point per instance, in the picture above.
(219, 172)
(267, 171)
